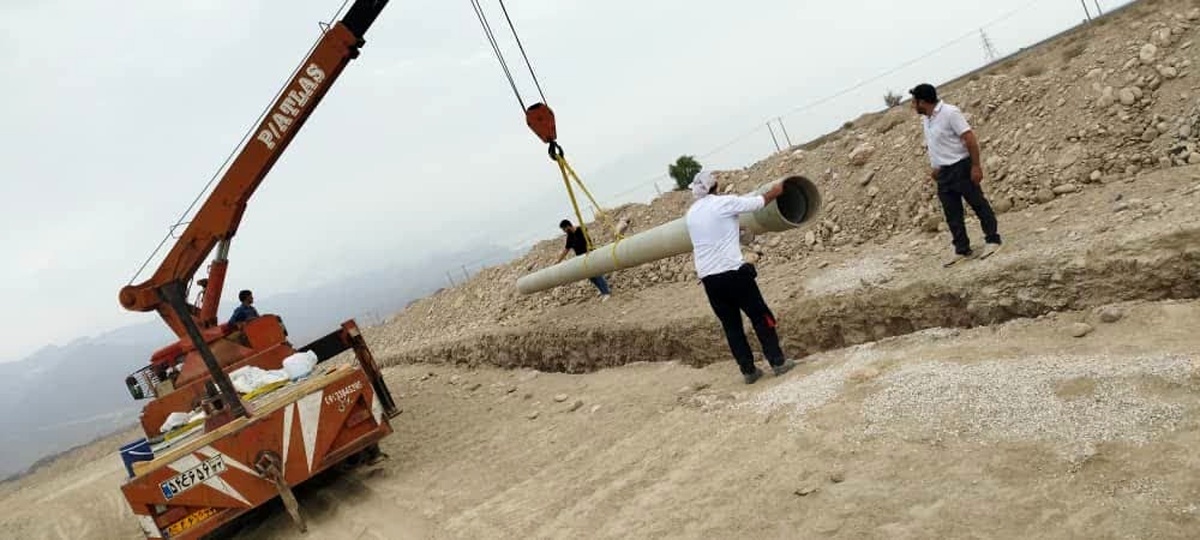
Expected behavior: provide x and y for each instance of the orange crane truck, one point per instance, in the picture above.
(213, 451)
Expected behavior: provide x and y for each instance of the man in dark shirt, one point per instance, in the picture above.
(244, 312)
(578, 241)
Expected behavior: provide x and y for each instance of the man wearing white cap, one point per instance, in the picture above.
(729, 282)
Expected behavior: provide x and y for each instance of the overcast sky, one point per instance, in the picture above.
(116, 114)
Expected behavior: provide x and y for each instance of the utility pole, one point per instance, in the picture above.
(1098, 11)
(450, 278)
(989, 50)
(1085, 9)
(777, 148)
(466, 276)
(786, 137)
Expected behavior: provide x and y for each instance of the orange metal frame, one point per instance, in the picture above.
(219, 216)
(209, 481)
(251, 452)
(307, 427)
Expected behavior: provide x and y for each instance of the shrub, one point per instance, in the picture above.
(683, 171)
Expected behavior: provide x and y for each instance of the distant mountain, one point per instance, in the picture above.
(65, 396)
(372, 296)
(62, 396)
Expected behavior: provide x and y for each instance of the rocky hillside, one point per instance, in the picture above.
(1106, 103)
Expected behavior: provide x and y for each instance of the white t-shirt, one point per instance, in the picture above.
(943, 135)
(712, 224)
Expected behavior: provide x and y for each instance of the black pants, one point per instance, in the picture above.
(734, 292)
(955, 185)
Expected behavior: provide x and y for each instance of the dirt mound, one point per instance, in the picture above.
(1108, 245)
(1103, 105)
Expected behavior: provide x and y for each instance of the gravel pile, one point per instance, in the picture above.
(800, 395)
(1072, 403)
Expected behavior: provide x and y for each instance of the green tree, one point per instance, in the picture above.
(683, 171)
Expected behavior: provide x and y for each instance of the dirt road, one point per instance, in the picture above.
(1011, 431)
(1051, 391)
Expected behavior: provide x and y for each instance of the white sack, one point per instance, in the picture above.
(247, 379)
(299, 365)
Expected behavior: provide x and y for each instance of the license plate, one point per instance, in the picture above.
(188, 479)
(191, 520)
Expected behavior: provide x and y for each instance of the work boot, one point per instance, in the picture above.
(989, 249)
(785, 367)
(751, 377)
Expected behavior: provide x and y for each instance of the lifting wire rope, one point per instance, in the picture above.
(324, 26)
(540, 118)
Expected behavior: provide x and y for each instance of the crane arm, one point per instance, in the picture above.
(217, 220)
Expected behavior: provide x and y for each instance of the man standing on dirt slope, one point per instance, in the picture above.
(729, 282)
(954, 155)
(578, 242)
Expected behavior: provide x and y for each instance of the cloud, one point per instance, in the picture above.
(116, 116)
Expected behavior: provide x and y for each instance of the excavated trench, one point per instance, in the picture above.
(1152, 268)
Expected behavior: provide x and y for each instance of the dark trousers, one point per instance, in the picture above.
(954, 186)
(734, 292)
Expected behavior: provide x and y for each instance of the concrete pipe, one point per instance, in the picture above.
(799, 205)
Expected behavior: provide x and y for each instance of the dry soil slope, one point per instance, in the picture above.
(1109, 244)
(914, 436)
(1106, 104)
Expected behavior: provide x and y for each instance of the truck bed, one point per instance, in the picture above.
(260, 406)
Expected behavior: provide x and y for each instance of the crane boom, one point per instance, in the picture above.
(252, 431)
(218, 218)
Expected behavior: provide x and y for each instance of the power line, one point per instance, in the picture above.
(908, 63)
(250, 130)
(742, 136)
(990, 52)
(731, 142)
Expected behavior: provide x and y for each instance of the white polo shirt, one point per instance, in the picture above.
(943, 135)
(712, 224)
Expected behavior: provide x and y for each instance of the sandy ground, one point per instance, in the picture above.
(944, 421)
(1048, 392)
(935, 403)
(1011, 431)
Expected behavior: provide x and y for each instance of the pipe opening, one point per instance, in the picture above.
(799, 201)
